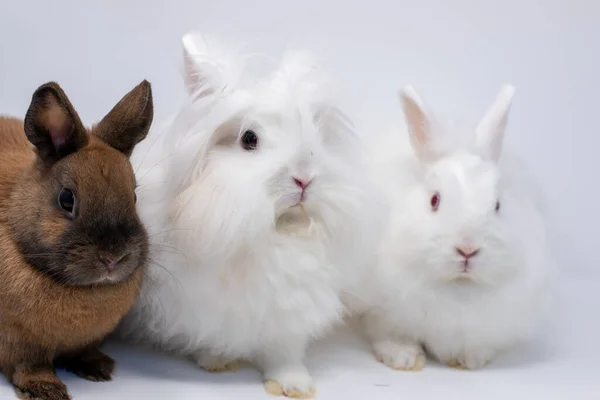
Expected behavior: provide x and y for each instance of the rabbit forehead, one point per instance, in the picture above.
(282, 107)
(466, 178)
(294, 125)
(280, 122)
(101, 174)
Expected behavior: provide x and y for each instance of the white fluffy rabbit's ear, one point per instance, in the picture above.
(208, 68)
(490, 130)
(419, 120)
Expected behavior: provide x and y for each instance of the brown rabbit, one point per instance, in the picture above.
(72, 247)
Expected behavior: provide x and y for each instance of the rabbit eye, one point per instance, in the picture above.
(134, 197)
(497, 205)
(66, 200)
(435, 201)
(249, 140)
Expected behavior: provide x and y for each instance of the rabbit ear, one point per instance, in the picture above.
(129, 121)
(419, 120)
(490, 131)
(52, 124)
(208, 68)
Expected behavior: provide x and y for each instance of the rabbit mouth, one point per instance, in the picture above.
(462, 276)
(291, 204)
(295, 221)
(108, 277)
(467, 274)
(103, 276)
(466, 267)
(465, 270)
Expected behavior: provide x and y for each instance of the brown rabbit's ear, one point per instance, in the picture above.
(52, 124)
(129, 121)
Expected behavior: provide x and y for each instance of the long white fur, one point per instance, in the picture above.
(237, 273)
(427, 302)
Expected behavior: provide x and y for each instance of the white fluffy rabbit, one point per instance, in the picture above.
(466, 267)
(259, 209)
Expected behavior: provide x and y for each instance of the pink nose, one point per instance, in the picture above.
(467, 252)
(301, 183)
(109, 260)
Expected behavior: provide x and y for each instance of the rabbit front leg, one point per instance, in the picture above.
(89, 363)
(400, 354)
(38, 381)
(284, 372)
(29, 368)
(392, 350)
(472, 359)
(215, 363)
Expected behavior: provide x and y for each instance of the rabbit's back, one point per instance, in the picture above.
(13, 137)
(16, 153)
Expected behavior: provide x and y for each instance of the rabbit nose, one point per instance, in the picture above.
(467, 251)
(302, 183)
(109, 260)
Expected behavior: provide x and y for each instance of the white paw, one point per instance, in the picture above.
(400, 356)
(472, 360)
(297, 384)
(212, 363)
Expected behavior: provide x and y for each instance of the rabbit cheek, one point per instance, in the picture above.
(43, 246)
(53, 229)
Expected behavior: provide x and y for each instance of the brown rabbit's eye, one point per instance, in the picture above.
(497, 205)
(66, 200)
(134, 197)
(435, 201)
(249, 140)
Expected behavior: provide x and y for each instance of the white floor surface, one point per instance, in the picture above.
(562, 365)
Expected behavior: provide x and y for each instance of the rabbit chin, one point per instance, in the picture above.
(295, 221)
(461, 277)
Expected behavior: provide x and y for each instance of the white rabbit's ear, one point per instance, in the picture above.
(208, 67)
(190, 75)
(419, 120)
(490, 131)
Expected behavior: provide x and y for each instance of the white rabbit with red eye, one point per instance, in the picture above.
(467, 272)
(259, 211)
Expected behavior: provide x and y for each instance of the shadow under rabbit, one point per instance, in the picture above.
(133, 360)
(349, 343)
(344, 353)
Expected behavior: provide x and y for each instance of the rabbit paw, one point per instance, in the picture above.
(400, 356)
(92, 365)
(284, 374)
(456, 364)
(289, 380)
(471, 361)
(300, 387)
(216, 364)
(223, 366)
(40, 390)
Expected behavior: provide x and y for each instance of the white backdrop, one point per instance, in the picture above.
(457, 52)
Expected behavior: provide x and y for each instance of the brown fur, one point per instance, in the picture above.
(60, 313)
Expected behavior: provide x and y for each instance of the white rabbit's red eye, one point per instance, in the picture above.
(249, 140)
(435, 201)
(497, 205)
